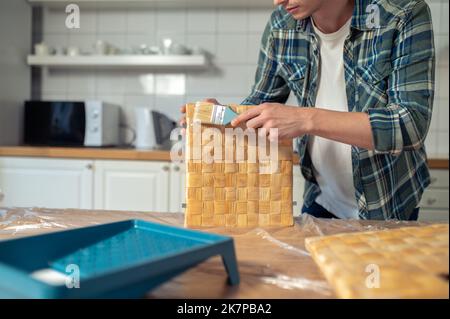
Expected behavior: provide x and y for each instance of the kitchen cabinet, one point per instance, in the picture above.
(131, 185)
(52, 183)
(177, 186)
(298, 187)
(435, 203)
(140, 185)
(92, 184)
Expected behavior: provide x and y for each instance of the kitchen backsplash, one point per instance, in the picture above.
(231, 36)
(437, 140)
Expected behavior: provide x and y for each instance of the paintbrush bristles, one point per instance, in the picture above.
(203, 112)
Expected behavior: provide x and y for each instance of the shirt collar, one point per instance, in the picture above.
(361, 15)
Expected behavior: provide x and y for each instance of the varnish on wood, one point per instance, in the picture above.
(236, 177)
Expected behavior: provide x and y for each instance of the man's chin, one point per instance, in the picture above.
(300, 16)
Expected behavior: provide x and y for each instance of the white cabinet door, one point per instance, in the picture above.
(434, 205)
(433, 215)
(298, 188)
(435, 199)
(51, 183)
(439, 178)
(177, 188)
(131, 185)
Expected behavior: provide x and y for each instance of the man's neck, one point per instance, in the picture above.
(331, 17)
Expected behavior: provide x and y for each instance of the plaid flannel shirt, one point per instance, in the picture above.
(389, 74)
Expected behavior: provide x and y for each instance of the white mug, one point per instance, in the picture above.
(73, 51)
(101, 47)
(41, 49)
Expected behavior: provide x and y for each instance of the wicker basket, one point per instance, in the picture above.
(240, 193)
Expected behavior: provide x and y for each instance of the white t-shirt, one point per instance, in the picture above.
(332, 161)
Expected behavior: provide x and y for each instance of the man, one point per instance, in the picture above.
(363, 73)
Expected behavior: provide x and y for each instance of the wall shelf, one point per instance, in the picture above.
(119, 61)
(156, 3)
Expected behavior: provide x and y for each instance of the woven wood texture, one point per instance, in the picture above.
(412, 262)
(236, 194)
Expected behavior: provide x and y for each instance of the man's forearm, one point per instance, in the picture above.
(292, 121)
(346, 127)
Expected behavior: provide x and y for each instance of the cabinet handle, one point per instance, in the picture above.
(2, 195)
(89, 166)
(176, 168)
(433, 180)
(166, 168)
(431, 201)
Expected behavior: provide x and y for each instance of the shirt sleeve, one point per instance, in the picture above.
(269, 86)
(404, 123)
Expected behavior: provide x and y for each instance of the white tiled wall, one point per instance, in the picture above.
(230, 35)
(438, 138)
(14, 74)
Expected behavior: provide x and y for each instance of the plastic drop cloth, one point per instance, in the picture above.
(273, 262)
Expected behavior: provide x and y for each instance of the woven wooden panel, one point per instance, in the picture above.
(237, 194)
(412, 262)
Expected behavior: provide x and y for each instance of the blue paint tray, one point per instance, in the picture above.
(119, 260)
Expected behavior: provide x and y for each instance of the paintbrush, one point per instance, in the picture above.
(210, 113)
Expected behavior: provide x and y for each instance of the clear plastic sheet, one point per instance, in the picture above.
(273, 262)
(18, 221)
(15, 220)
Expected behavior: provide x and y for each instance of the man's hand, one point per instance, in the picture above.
(182, 121)
(290, 121)
(351, 128)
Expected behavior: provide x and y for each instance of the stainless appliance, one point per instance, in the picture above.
(71, 123)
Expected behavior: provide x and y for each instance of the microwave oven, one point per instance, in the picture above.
(71, 123)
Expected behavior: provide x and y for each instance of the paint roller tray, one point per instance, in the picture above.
(123, 259)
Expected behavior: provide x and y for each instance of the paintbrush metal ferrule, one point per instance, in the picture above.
(217, 114)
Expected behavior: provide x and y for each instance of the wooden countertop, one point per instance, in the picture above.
(273, 262)
(87, 153)
(123, 154)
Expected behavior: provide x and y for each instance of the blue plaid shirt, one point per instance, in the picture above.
(389, 74)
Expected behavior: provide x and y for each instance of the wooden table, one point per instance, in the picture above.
(273, 262)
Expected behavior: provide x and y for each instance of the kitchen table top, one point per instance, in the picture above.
(116, 153)
(273, 262)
